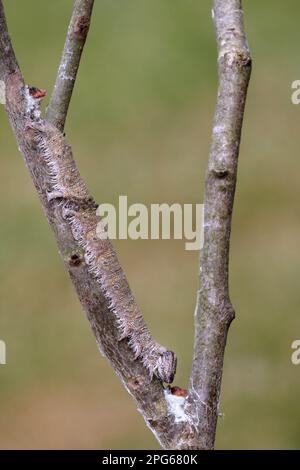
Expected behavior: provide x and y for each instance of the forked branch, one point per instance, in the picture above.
(121, 333)
(179, 420)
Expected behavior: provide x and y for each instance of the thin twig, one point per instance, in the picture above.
(57, 109)
(214, 311)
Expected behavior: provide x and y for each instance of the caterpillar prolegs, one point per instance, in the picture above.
(64, 185)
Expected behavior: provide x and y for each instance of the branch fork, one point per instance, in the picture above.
(180, 419)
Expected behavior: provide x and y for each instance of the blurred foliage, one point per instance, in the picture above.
(140, 124)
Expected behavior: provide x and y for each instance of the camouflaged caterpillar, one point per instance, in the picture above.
(65, 185)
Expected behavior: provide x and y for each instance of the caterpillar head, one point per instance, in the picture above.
(166, 366)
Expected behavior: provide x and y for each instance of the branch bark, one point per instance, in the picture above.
(214, 311)
(101, 285)
(179, 420)
(57, 109)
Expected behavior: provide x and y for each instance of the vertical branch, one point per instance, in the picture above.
(214, 311)
(76, 36)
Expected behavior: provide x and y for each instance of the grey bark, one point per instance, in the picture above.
(214, 311)
(70, 210)
(149, 392)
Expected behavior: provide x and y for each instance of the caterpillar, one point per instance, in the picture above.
(64, 186)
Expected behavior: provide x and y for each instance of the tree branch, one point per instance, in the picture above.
(179, 420)
(9, 63)
(57, 109)
(214, 311)
(121, 334)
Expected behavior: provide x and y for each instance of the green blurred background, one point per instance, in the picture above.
(140, 124)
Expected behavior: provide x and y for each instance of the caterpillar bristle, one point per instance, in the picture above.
(66, 188)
